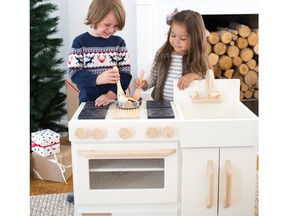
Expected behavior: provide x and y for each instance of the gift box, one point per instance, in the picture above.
(56, 167)
(45, 142)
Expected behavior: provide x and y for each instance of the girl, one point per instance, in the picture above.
(183, 56)
(94, 53)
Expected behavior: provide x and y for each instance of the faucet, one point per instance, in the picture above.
(210, 91)
(212, 95)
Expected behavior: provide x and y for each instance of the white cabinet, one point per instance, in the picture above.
(218, 181)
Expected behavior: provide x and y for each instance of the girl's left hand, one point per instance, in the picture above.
(187, 79)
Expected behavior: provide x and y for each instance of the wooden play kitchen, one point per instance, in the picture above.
(172, 158)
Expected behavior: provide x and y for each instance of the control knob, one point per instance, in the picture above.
(151, 132)
(167, 132)
(81, 132)
(125, 133)
(98, 133)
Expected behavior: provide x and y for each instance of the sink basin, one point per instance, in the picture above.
(215, 111)
(225, 124)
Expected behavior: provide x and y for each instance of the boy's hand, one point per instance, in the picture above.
(109, 76)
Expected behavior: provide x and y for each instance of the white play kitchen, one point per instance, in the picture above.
(195, 155)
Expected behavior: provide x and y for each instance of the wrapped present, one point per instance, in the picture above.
(56, 167)
(45, 142)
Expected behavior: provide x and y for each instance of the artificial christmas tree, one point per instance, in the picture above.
(47, 103)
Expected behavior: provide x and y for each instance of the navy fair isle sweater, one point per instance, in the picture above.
(90, 56)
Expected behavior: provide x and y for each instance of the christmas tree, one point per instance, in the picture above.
(47, 103)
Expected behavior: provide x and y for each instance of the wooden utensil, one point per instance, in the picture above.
(120, 93)
(137, 92)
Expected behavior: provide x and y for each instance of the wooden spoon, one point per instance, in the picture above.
(137, 92)
(120, 93)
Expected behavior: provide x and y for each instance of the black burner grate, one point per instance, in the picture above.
(91, 112)
(159, 110)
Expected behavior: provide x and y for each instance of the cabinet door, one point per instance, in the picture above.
(218, 181)
(200, 181)
(237, 181)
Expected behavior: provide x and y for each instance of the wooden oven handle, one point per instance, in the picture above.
(93, 154)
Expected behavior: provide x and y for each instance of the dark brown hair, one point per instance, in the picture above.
(196, 60)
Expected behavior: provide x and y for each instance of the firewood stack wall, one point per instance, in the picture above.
(233, 52)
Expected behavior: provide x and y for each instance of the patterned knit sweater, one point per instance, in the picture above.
(90, 56)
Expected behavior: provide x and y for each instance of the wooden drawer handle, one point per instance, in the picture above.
(210, 172)
(228, 170)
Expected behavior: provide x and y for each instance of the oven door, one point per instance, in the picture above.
(125, 173)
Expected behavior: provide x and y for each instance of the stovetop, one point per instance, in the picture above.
(154, 109)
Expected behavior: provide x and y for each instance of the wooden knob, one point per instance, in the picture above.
(81, 133)
(125, 133)
(98, 133)
(151, 132)
(167, 132)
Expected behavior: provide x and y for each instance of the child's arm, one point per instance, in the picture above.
(187, 79)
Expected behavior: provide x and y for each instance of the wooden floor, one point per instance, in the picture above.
(39, 187)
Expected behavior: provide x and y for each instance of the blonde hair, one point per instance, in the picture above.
(98, 9)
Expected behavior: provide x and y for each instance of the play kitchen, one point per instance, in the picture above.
(195, 155)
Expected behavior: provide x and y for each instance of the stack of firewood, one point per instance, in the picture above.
(233, 52)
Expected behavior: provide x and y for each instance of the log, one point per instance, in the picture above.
(252, 39)
(251, 63)
(229, 73)
(225, 62)
(251, 78)
(213, 38)
(242, 42)
(237, 61)
(213, 58)
(208, 47)
(217, 71)
(219, 48)
(243, 69)
(225, 36)
(233, 51)
(256, 94)
(244, 87)
(237, 75)
(256, 49)
(248, 94)
(243, 30)
(246, 54)
(235, 37)
(241, 95)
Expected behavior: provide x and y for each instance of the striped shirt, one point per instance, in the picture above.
(175, 72)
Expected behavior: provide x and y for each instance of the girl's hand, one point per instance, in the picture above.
(140, 84)
(109, 76)
(187, 79)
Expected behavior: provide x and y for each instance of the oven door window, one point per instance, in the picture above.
(126, 173)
